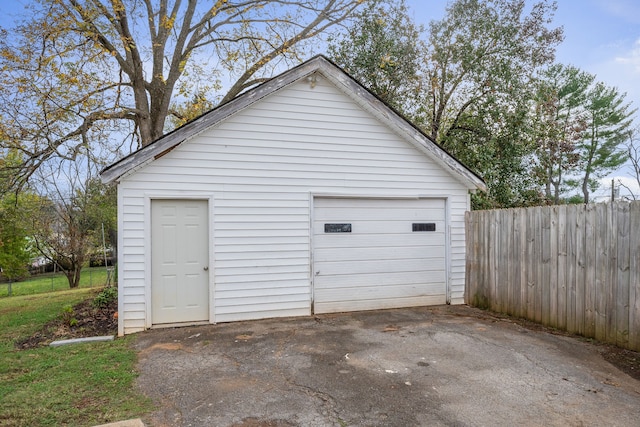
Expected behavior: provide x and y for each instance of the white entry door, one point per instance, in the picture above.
(373, 254)
(179, 261)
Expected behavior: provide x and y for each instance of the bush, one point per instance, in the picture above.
(106, 297)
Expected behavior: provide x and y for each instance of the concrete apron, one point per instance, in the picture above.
(432, 366)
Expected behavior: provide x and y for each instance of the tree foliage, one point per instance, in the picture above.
(78, 70)
(15, 248)
(382, 49)
(15, 211)
(469, 84)
(560, 123)
(68, 225)
(609, 120)
(632, 147)
(480, 64)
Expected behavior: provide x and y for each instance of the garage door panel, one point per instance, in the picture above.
(376, 240)
(378, 304)
(339, 202)
(380, 214)
(371, 253)
(365, 279)
(382, 262)
(385, 266)
(379, 227)
(371, 292)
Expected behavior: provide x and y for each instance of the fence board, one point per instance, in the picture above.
(573, 267)
(571, 227)
(608, 311)
(522, 216)
(581, 270)
(545, 279)
(561, 267)
(590, 271)
(600, 294)
(531, 263)
(634, 276)
(514, 265)
(620, 330)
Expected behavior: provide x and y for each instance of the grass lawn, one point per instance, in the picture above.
(75, 385)
(93, 277)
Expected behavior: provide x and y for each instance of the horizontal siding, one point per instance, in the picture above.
(260, 166)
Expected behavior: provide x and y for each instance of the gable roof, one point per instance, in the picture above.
(317, 64)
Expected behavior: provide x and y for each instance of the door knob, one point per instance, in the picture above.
(206, 269)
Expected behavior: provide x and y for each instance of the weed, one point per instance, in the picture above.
(67, 316)
(106, 297)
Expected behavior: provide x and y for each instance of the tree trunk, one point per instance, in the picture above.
(585, 187)
(73, 276)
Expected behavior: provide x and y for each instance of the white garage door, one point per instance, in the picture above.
(375, 254)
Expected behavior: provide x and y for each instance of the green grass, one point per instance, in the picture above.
(49, 282)
(75, 385)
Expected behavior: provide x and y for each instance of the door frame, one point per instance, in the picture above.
(148, 198)
(447, 235)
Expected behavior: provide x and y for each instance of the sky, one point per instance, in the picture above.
(602, 37)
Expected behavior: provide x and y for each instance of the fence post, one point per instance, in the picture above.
(9, 287)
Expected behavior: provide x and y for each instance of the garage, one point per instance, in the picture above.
(378, 253)
(306, 194)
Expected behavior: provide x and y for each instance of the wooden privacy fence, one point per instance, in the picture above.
(573, 267)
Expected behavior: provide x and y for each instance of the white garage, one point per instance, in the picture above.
(306, 194)
(378, 253)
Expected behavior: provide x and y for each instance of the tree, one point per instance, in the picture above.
(79, 70)
(609, 120)
(560, 123)
(68, 225)
(15, 247)
(469, 86)
(632, 145)
(382, 48)
(480, 64)
(483, 52)
(15, 253)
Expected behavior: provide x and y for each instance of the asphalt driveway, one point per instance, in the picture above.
(435, 366)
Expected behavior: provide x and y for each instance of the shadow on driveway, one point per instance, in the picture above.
(427, 366)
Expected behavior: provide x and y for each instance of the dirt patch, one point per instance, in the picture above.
(83, 320)
(626, 360)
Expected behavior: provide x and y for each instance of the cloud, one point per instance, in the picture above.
(631, 58)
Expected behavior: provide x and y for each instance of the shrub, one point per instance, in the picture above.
(106, 297)
(67, 316)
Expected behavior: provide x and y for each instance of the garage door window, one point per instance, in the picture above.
(424, 226)
(337, 228)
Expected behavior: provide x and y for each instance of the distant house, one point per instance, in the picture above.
(306, 194)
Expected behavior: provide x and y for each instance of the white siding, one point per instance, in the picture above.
(260, 169)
